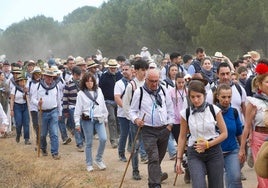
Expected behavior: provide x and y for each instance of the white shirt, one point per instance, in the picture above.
(156, 116)
(201, 124)
(85, 105)
(31, 89)
(119, 88)
(3, 117)
(18, 96)
(51, 98)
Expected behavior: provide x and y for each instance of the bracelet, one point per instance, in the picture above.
(179, 158)
(207, 144)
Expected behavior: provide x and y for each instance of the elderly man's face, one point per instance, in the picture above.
(152, 81)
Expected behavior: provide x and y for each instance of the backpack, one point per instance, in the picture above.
(238, 87)
(125, 83)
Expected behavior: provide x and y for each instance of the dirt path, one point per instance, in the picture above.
(20, 167)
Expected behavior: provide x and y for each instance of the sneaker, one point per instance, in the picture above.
(56, 156)
(27, 142)
(173, 157)
(100, 165)
(44, 152)
(187, 178)
(164, 176)
(80, 148)
(136, 175)
(144, 160)
(17, 139)
(243, 177)
(90, 168)
(122, 158)
(114, 145)
(67, 141)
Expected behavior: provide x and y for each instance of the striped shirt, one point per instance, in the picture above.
(69, 95)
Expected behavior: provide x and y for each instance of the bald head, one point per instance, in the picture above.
(152, 78)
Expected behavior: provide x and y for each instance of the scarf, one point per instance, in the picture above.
(200, 108)
(47, 88)
(223, 109)
(169, 82)
(94, 99)
(261, 96)
(209, 76)
(243, 82)
(155, 93)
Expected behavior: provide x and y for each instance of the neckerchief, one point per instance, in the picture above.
(223, 109)
(169, 82)
(47, 88)
(156, 94)
(261, 96)
(200, 108)
(16, 85)
(88, 94)
(243, 82)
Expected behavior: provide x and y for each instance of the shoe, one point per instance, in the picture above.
(144, 160)
(67, 141)
(122, 158)
(17, 139)
(136, 175)
(187, 176)
(44, 153)
(56, 156)
(114, 145)
(27, 142)
(173, 157)
(100, 165)
(243, 177)
(80, 148)
(90, 168)
(164, 176)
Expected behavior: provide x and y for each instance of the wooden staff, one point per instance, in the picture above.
(132, 152)
(39, 129)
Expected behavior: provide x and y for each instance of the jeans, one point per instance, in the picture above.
(62, 127)
(124, 133)
(155, 144)
(232, 169)
(171, 147)
(50, 125)
(78, 135)
(135, 158)
(112, 122)
(21, 116)
(88, 127)
(209, 162)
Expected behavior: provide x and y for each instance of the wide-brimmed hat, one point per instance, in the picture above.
(20, 77)
(246, 55)
(152, 65)
(261, 162)
(79, 61)
(36, 70)
(254, 55)
(31, 62)
(16, 70)
(91, 63)
(112, 63)
(144, 48)
(6, 62)
(50, 72)
(218, 55)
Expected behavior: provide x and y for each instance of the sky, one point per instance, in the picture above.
(14, 11)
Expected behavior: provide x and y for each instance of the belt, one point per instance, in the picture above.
(261, 129)
(49, 110)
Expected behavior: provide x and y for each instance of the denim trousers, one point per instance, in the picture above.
(62, 127)
(50, 125)
(88, 127)
(171, 147)
(113, 124)
(124, 133)
(209, 162)
(21, 116)
(155, 143)
(135, 158)
(232, 169)
(78, 135)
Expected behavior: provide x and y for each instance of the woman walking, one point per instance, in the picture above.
(90, 107)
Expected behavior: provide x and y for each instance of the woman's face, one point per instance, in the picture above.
(225, 97)
(180, 83)
(89, 83)
(196, 98)
(2, 77)
(263, 86)
(172, 72)
(207, 65)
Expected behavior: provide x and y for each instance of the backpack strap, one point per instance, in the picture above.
(211, 108)
(141, 95)
(235, 113)
(238, 87)
(187, 114)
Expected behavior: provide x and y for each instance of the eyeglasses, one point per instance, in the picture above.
(153, 81)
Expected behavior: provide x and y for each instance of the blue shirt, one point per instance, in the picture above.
(234, 128)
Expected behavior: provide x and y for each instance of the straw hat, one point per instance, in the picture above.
(92, 63)
(36, 70)
(254, 55)
(16, 70)
(80, 61)
(112, 63)
(261, 162)
(20, 77)
(218, 55)
(50, 72)
(144, 48)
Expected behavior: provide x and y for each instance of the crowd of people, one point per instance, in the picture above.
(214, 110)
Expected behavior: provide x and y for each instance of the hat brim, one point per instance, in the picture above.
(261, 162)
(93, 65)
(54, 74)
(112, 66)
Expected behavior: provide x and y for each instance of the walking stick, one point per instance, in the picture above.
(131, 154)
(39, 130)
(175, 179)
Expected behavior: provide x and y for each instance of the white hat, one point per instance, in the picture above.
(218, 55)
(144, 48)
(36, 70)
(152, 65)
(112, 63)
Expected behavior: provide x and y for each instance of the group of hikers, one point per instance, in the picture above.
(209, 113)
